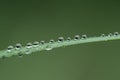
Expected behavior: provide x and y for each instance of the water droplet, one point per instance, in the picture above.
(116, 33)
(110, 34)
(18, 46)
(10, 48)
(42, 42)
(36, 44)
(20, 55)
(3, 57)
(51, 41)
(49, 47)
(28, 52)
(68, 38)
(84, 36)
(29, 45)
(60, 39)
(102, 35)
(76, 37)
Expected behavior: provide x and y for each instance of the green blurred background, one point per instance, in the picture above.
(28, 21)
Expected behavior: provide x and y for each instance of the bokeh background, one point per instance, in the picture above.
(28, 21)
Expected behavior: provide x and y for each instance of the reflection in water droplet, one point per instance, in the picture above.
(60, 39)
(84, 36)
(10, 48)
(116, 33)
(76, 37)
(49, 47)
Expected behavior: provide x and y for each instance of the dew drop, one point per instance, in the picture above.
(28, 52)
(76, 37)
(60, 39)
(42, 42)
(36, 44)
(3, 57)
(49, 47)
(68, 38)
(84, 36)
(29, 45)
(20, 55)
(102, 35)
(18, 46)
(51, 41)
(10, 48)
(116, 33)
(110, 34)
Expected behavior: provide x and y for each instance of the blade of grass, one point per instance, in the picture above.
(49, 46)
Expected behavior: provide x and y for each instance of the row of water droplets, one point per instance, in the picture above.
(110, 34)
(36, 44)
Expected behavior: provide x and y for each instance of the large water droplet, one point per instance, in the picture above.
(35, 44)
(116, 33)
(84, 36)
(29, 45)
(49, 47)
(76, 37)
(18, 46)
(10, 48)
(60, 39)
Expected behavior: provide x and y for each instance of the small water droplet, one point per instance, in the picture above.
(3, 57)
(29, 45)
(51, 41)
(10, 48)
(20, 55)
(110, 34)
(102, 35)
(42, 42)
(35, 44)
(60, 39)
(76, 37)
(28, 52)
(84, 36)
(49, 47)
(18, 46)
(68, 38)
(116, 33)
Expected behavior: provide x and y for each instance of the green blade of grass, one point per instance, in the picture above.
(49, 46)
